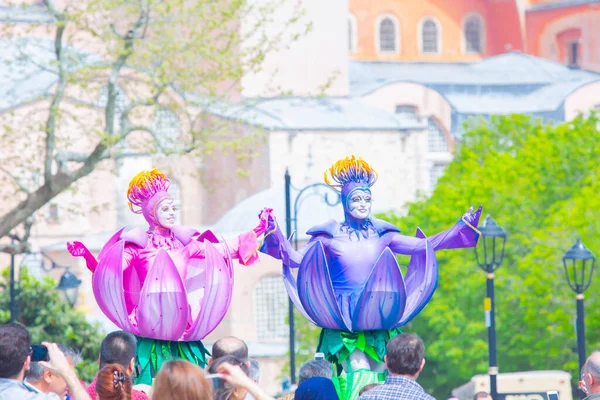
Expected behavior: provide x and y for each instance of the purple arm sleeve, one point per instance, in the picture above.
(277, 246)
(461, 235)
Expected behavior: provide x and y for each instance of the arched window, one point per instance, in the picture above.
(430, 36)
(167, 128)
(473, 34)
(436, 138)
(271, 305)
(352, 34)
(407, 111)
(388, 34)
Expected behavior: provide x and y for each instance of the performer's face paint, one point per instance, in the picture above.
(359, 203)
(166, 213)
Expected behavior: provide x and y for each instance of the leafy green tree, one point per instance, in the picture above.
(115, 67)
(48, 317)
(540, 183)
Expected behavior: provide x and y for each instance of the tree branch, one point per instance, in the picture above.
(15, 180)
(129, 40)
(60, 89)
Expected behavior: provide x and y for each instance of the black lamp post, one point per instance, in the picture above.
(69, 286)
(292, 216)
(494, 240)
(579, 267)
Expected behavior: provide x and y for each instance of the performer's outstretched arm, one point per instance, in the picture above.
(276, 245)
(244, 248)
(78, 249)
(463, 234)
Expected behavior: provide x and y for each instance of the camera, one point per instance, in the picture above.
(39, 353)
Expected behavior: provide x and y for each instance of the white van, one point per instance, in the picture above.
(530, 385)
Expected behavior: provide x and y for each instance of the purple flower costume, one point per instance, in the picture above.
(349, 281)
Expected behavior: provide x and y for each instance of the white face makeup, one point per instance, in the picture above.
(359, 204)
(166, 213)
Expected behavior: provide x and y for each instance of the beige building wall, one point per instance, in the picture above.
(400, 158)
(317, 62)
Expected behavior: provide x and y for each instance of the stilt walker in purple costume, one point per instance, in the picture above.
(349, 282)
(169, 285)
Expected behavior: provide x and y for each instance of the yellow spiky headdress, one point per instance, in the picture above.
(146, 190)
(350, 172)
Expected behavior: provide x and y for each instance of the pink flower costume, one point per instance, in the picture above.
(170, 285)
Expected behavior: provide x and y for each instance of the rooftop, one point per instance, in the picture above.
(508, 83)
(27, 70)
(29, 14)
(314, 114)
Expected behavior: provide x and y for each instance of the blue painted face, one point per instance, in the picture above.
(358, 203)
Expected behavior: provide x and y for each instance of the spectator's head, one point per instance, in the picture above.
(315, 368)
(368, 387)
(181, 380)
(254, 371)
(482, 396)
(590, 374)
(114, 383)
(230, 346)
(118, 348)
(15, 351)
(405, 355)
(46, 381)
(228, 392)
(317, 388)
(452, 398)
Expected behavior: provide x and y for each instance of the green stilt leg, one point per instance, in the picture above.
(337, 347)
(152, 353)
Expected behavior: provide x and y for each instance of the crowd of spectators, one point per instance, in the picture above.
(231, 374)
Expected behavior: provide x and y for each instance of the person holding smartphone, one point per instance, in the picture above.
(15, 360)
(40, 379)
(230, 380)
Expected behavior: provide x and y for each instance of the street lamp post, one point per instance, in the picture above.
(291, 216)
(494, 240)
(13, 287)
(68, 284)
(579, 262)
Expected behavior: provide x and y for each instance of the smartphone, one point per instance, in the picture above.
(216, 380)
(319, 356)
(553, 395)
(39, 353)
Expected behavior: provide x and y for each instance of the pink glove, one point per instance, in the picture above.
(78, 249)
(266, 218)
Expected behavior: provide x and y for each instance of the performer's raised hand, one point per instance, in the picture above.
(78, 249)
(265, 216)
(473, 217)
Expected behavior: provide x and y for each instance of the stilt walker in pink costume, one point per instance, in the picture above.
(170, 285)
